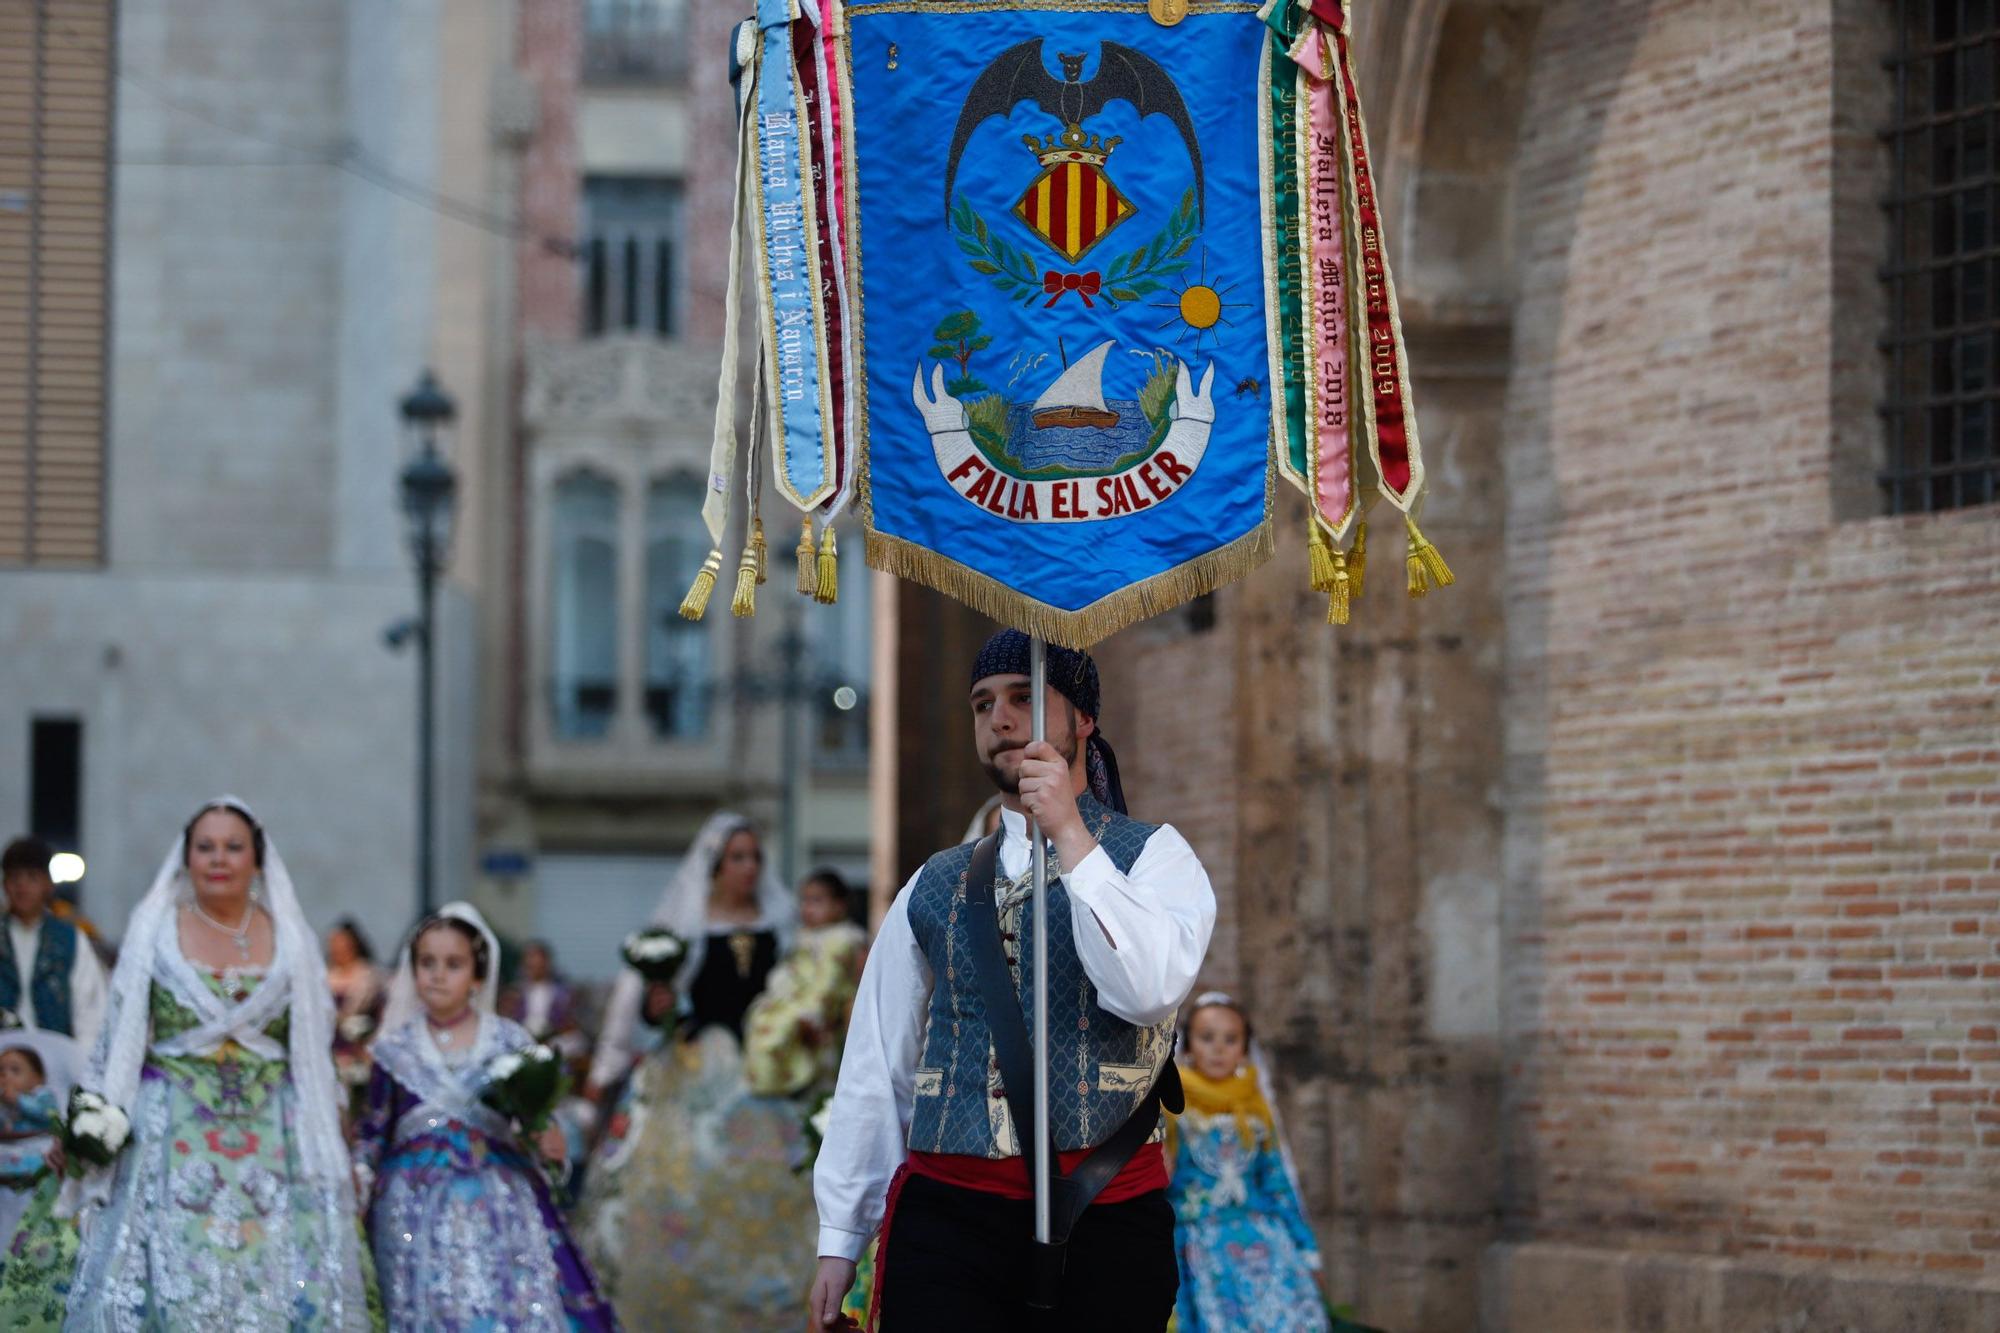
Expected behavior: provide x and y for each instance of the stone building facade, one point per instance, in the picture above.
(1623, 919)
(611, 727)
(278, 269)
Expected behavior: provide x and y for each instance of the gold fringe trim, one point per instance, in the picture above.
(745, 602)
(1340, 592)
(808, 567)
(1320, 557)
(1082, 628)
(828, 591)
(695, 604)
(1357, 559)
(1426, 566)
(758, 544)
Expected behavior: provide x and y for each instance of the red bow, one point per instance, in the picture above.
(1083, 284)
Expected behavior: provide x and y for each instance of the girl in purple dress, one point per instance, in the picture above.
(465, 1233)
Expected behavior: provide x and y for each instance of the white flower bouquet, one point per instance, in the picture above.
(816, 1123)
(655, 954)
(526, 1086)
(93, 1133)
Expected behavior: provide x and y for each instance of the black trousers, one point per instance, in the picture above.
(956, 1261)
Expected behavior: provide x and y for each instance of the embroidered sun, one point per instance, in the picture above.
(1200, 308)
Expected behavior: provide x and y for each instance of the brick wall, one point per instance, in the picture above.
(1753, 958)
(551, 55)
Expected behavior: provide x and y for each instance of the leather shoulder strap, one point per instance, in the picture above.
(1012, 1048)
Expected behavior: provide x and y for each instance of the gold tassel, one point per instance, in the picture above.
(808, 568)
(1357, 559)
(1319, 558)
(758, 545)
(1340, 591)
(1423, 561)
(829, 570)
(695, 604)
(745, 601)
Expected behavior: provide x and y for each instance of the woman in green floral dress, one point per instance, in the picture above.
(232, 1206)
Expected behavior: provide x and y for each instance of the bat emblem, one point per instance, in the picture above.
(1123, 74)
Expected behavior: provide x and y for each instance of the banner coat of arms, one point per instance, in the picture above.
(1079, 282)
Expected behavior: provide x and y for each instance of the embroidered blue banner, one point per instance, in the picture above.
(1064, 365)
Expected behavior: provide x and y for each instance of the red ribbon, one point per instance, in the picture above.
(1085, 285)
(1328, 12)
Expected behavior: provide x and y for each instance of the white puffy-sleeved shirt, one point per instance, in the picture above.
(1141, 937)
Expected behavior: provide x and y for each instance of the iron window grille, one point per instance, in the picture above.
(1943, 344)
(632, 255)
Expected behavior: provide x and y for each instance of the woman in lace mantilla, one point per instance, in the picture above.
(693, 1210)
(231, 1205)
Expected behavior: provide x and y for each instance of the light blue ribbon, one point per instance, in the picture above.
(791, 296)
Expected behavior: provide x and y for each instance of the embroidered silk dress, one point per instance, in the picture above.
(357, 1010)
(211, 1223)
(26, 1128)
(695, 1213)
(1248, 1259)
(465, 1234)
(793, 1032)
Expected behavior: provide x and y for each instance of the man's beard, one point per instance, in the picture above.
(1010, 783)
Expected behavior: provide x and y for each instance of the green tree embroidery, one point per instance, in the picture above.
(956, 338)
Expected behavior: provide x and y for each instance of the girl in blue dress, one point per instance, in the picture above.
(1248, 1258)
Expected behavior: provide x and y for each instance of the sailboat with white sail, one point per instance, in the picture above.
(1076, 399)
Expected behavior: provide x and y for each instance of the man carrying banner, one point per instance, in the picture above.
(924, 1135)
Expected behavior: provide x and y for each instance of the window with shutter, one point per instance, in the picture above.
(55, 136)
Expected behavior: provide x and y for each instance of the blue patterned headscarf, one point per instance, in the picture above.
(1073, 675)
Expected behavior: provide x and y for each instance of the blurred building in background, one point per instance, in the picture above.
(231, 238)
(224, 255)
(612, 726)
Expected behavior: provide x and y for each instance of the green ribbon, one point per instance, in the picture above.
(1283, 21)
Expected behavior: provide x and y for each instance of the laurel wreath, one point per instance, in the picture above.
(1011, 270)
(1130, 277)
(1138, 273)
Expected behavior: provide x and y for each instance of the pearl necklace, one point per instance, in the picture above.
(239, 934)
(447, 1036)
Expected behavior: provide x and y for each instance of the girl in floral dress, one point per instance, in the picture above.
(465, 1233)
(1248, 1259)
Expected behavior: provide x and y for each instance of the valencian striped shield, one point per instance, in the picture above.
(1072, 205)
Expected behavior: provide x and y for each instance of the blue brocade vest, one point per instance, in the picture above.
(49, 982)
(1101, 1066)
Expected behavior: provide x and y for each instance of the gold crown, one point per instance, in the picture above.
(1072, 145)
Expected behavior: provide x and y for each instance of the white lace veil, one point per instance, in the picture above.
(61, 1057)
(403, 1006)
(296, 981)
(683, 909)
(683, 905)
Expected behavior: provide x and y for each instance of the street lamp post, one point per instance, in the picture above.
(429, 494)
